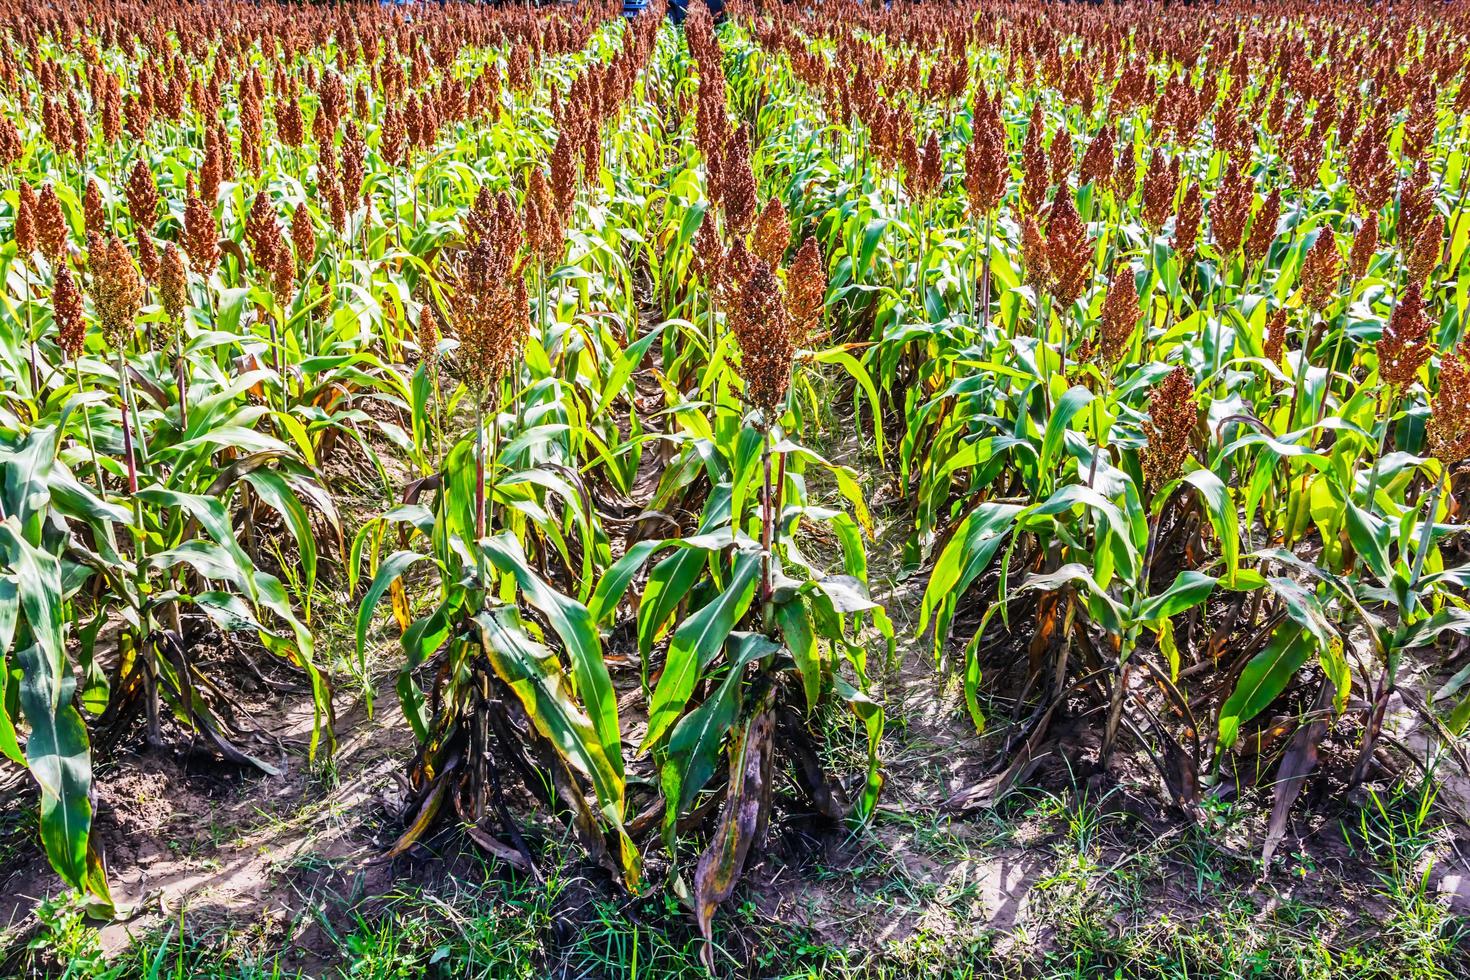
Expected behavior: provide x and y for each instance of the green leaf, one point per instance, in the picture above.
(275, 491)
(60, 760)
(1188, 590)
(1263, 680)
(532, 671)
(870, 713)
(615, 581)
(694, 744)
(695, 643)
(1067, 407)
(1223, 516)
(574, 624)
(395, 565)
(969, 552)
(796, 630)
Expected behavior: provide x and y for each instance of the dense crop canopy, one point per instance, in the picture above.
(549, 337)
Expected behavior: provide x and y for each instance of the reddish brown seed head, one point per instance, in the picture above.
(1365, 244)
(1263, 227)
(94, 213)
(772, 233)
(1068, 250)
(303, 236)
(1034, 254)
(428, 340)
(1404, 346)
(1275, 339)
(1320, 270)
(1172, 417)
(806, 293)
(117, 289)
(51, 228)
(1428, 249)
(987, 166)
(1120, 315)
(173, 283)
(1230, 209)
(148, 257)
(1160, 184)
(66, 309)
(142, 194)
(931, 166)
(24, 228)
(761, 324)
(1034, 174)
(708, 254)
(1097, 159)
(1448, 428)
(201, 234)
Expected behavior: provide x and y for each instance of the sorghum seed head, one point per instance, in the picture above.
(1172, 417)
(66, 309)
(806, 293)
(173, 282)
(1403, 348)
(760, 321)
(1448, 428)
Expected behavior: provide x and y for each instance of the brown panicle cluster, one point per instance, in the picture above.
(252, 121)
(303, 236)
(1160, 184)
(66, 309)
(806, 293)
(1034, 255)
(1125, 174)
(924, 172)
(1060, 156)
(737, 199)
(1172, 417)
(1068, 250)
(1448, 428)
(290, 123)
(12, 147)
(1404, 347)
(1034, 174)
(51, 228)
(759, 319)
(428, 341)
(489, 309)
(94, 213)
(772, 233)
(23, 229)
(1428, 248)
(1120, 315)
(1263, 227)
(542, 219)
(173, 283)
(987, 165)
(1275, 339)
(1365, 244)
(268, 249)
(1416, 203)
(708, 252)
(1230, 209)
(117, 290)
(1320, 270)
(147, 256)
(201, 234)
(143, 199)
(1097, 160)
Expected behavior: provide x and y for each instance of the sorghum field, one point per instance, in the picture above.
(945, 490)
